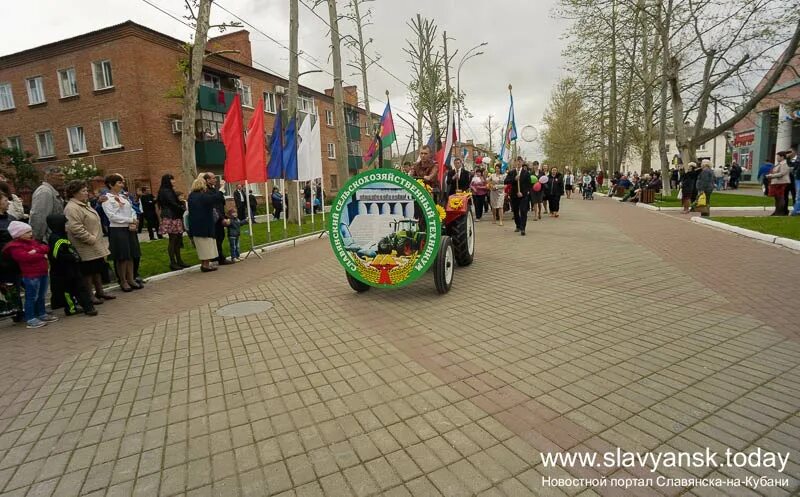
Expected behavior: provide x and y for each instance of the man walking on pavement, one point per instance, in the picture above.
(520, 180)
(46, 201)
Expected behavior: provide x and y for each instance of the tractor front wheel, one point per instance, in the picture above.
(462, 232)
(356, 284)
(444, 266)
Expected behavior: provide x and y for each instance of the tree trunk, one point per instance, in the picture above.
(663, 26)
(363, 63)
(612, 109)
(193, 78)
(338, 94)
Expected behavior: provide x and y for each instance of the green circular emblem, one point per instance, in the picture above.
(385, 228)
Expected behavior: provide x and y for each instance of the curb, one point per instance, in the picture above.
(756, 235)
(724, 209)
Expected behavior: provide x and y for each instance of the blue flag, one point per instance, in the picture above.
(290, 151)
(509, 135)
(275, 165)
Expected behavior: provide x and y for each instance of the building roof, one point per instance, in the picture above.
(130, 28)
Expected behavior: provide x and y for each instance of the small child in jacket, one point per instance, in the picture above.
(66, 280)
(234, 228)
(31, 257)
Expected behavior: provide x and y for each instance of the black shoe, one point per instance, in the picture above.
(91, 312)
(224, 262)
(522, 232)
(207, 269)
(516, 230)
(137, 286)
(175, 267)
(126, 290)
(139, 280)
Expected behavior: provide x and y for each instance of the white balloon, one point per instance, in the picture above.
(486, 160)
(529, 133)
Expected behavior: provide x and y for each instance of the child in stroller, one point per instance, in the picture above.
(588, 185)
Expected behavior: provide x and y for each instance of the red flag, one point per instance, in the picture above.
(233, 139)
(255, 158)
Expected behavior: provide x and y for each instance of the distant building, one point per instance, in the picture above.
(760, 135)
(713, 150)
(104, 97)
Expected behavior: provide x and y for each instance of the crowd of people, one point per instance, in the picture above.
(73, 245)
(521, 189)
(781, 180)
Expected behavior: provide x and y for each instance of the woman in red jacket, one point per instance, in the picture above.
(31, 257)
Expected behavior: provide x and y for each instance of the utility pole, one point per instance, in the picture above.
(294, 76)
(338, 95)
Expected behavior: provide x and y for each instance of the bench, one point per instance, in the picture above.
(647, 196)
(619, 191)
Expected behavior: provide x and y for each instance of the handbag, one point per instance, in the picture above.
(680, 194)
(701, 200)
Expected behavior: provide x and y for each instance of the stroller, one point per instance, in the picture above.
(588, 191)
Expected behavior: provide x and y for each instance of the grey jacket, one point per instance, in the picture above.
(46, 201)
(705, 181)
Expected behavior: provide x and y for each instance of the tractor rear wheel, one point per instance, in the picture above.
(462, 232)
(443, 268)
(356, 284)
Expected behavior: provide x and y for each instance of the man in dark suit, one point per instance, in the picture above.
(457, 178)
(149, 213)
(520, 180)
(240, 199)
(219, 215)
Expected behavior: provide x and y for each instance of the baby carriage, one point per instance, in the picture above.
(588, 192)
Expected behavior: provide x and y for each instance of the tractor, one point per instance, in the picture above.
(406, 238)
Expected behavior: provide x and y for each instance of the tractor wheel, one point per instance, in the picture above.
(356, 284)
(462, 233)
(443, 268)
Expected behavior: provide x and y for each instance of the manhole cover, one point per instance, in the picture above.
(240, 309)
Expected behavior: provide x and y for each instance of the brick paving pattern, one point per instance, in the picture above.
(612, 327)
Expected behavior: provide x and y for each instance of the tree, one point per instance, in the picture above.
(338, 93)
(491, 128)
(18, 167)
(565, 127)
(360, 20)
(199, 14)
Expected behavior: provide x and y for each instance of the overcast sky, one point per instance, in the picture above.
(524, 45)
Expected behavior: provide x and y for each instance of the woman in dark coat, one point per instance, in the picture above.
(688, 182)
(555, 189)
(171, 220)
(202, 225)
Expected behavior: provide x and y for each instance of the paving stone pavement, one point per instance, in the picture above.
(611, 327)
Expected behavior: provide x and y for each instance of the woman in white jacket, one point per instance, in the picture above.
(122, 233)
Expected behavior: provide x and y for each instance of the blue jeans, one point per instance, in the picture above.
(796, 208)
(35, 291)
(720, 183)
(234, 242)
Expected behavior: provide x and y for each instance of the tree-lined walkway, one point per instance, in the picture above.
(612, 327)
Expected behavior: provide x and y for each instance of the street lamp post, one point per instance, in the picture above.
(468, 55)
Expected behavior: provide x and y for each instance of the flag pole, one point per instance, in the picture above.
(299, 209)
(268, 201)
(250, 224)
(285, 207)
(396, 142)
(313, 197)
(322, 200)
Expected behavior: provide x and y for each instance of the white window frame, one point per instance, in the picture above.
(329, 118)
(331, 150)
(39, 89)
(303, 104)
(247, 96)
(105, 143)
(46, 137)
(108, 77)
(6, 95)
(269, 103)
(72, 81)
(72, 150)
(14, 143)
(216, 81)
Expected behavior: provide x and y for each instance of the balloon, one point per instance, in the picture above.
(486, 160)
(537, 187)
(544, 179)
(491, 170)
(534, 179)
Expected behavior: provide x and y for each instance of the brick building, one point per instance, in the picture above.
(104, 97)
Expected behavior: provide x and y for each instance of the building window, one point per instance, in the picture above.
(6, 97)
(334, 182)
(305, 104)
(354, 148)
(329, 117)
(109, 131)
(35, 90)
(67, 82)
(14, 143)
(702, 146)
(44, 142)
(211, 81)
(269, 102)
(247, 96)
(209, 125)
(331, 150)
(77, 140)
(667, 148)
(101, 72)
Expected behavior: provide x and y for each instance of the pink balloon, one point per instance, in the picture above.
(537, 187)
(544, 179)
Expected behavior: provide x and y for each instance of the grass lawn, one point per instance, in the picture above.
(719, 200)
(783, 226)
(154, 254)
